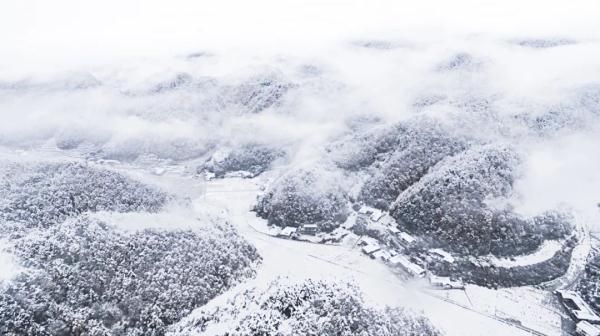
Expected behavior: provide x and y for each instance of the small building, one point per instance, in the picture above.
(416, 260)
(239, 174)
(287, 232)
(376, 215)
(365, 210)
(383, 255)
(584, 328)
(109, 162)
(409, 267)
(445, 282)
(309, 229)
(393, 230)
(576, 307)
(369, 249)
(441, 255)
(366, 240)
(388, 220)
(338, 235)
(407, 239)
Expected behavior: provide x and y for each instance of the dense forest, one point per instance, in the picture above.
(310, 307)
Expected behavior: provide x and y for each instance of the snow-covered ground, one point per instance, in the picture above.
(474, 311)
(152, 90)
(531, 307)
(449, 310)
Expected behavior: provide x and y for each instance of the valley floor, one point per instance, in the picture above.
(475, 311)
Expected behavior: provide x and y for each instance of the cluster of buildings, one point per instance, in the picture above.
(414, 265)
(581, 312)
(401, 253)
(294, 232)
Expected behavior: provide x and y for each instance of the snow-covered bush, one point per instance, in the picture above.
(305, 196)
(87, 278)
(252, 158)
(49, 193)
(323, 308)
(453, 205)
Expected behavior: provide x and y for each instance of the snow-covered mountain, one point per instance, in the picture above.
(299, 168)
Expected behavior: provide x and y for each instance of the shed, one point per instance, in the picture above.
(585, 328)
(376, 215)
(310, 229)
(441, 255)
(383, 255)
(369, 249)
(406, 238)
(287, 231)
(408, 266)
(576, 307)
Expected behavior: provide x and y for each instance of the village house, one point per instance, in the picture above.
(288, 232)
(376, 215)
(408, 266)
(393, 230)
(383, 255)
(441, 255)
(576, 307)
(445, 282)
(406, 239)
(309, 229)
(369, 249)
(584, 328)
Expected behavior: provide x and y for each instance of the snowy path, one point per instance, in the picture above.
(579, 257)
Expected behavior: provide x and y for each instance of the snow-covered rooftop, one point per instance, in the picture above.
(376, 215)
(587, 329)
(407, 238)
(408, 265)
(582, 311)
(381, 254)
(288, 231)
(442, 254)
(368, 249)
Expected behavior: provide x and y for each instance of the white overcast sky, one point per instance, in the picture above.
(39, 36)
(42, 31)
